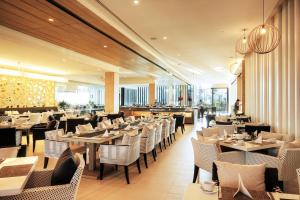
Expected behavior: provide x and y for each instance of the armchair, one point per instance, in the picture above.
(39, 186)
(147, 142)
(124, 155)
(158, 132)
(165, 131)
(172, 128)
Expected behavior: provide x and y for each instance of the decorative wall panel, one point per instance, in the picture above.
(25, 92)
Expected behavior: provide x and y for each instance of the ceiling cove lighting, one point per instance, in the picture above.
(136, 2)
(50, 19)
(32, 75)
(165, 37)
(104, 46)
(264, 38)
(242, 45)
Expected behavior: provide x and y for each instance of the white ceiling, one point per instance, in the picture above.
(201, 34)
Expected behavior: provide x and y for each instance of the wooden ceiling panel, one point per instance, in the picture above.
(31, 17)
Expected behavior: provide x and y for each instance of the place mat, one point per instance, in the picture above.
(227, 194)
(15, 170)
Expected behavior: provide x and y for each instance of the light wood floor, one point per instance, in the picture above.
(164, 179)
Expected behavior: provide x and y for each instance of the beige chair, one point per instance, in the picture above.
(278, 136)
(165, 135)
(39, 186)
(148, 142)
(298, 173)
(123, 154)
(158, 132)
(228, 128)
(9, 152)
(172, 128)
(206, 153)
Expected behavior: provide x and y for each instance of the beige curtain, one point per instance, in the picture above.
(273, 80)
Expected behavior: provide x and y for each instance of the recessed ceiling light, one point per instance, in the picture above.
(105, 46)
(51, 20)
(165, 37)
(136, 2)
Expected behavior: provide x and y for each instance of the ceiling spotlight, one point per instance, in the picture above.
(165, 37)
(136, 2)
(105, 46)
(51, 20)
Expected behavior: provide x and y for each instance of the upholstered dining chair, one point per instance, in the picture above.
(298, 173)
(72, 123)
(158, 132)
(39, 186)
(179, 122)
(172, 128)
(147, 144)
(122, 154)
(206, 153)
(165, 135)
(228, 128)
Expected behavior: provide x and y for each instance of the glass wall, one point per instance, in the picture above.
(135, 95)
(215, 97)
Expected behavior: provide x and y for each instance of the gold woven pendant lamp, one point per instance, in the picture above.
(264, 38)
(242, 46)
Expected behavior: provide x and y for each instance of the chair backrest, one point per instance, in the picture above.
(229, 129)
(52, 147)
(158, 131)
(72, 123)
(172, 125)
(298, 173)
(111, 117)
(8, 137)
(75, 181)
(253, 128)
(134, 148)
(290, 162)
(9, 152)
(223, 123)
(165, 128)
(57, 116)
(148, 142)
(179, 120)
(4, 118)
(35, 118)
(204, 154)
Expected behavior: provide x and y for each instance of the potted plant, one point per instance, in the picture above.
(63, 105)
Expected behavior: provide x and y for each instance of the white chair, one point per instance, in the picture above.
(228, 128)
(148, 142)
(35, 118)
(124, 154)
(9, 152)
(277, 136)
(172, 128)
(39, 187)
(158, 132)
(165, 135)
(206, 153)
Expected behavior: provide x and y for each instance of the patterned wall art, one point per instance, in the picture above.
(25, 92)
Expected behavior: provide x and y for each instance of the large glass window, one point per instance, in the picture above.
(135, 95)
(215, 97)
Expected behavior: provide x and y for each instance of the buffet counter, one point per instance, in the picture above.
(189, 113)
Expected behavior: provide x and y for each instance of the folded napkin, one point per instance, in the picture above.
(242, 189)
(106, 134)
(258, 140)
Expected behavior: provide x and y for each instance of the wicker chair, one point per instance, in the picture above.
(123, 155)
(165, 135)
(158, 132)
(172, 128)
(39, 186)
(206, 153)
(147, 143)
(229, 129)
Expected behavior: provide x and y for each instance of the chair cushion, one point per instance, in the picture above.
(253, 176)
(208, 132)
(64, 169)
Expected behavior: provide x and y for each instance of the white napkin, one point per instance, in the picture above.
(242, 189)
(258, 140)
(106, 134)
(127, 127)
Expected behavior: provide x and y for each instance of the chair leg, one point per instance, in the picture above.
(116, 167)
(165, 143)
(153, 154)
(101, 171)
(160, 147)
(174, 135)
(145, 160)
(33, 145)
(182, 129)
(138, 165)
(126, 174)
(196, 171)
(169, 140)
(27, 137)
(46, 159)
(84, 157)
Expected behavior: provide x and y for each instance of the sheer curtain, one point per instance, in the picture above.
(273, 80)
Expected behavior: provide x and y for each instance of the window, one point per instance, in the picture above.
(134, 95)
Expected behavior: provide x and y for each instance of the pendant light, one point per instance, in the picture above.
(242, 46)
(264, 38)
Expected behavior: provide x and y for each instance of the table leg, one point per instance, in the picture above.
(92, 156)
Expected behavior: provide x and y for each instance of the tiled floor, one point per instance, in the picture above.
(164, 179)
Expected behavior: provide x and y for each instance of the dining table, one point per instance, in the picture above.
(249, 145)
(194, 191)
(14, 174)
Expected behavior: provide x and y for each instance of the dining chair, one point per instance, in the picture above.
(165, 132)
(158, 132)
(206, 153)
(39, 186)
(228, 128)
(122, 154)
(172, 128)
(35, 118)
(4, 118)
(147, 143)
(298, 173)
(72, 123)
(179, 122)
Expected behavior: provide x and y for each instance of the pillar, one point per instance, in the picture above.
(111, 92)
(151, 94)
